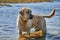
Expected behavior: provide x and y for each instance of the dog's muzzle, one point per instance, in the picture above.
(30, 16)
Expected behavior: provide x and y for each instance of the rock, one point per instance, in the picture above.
(36, 34)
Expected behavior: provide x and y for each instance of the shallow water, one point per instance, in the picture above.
(8, 16)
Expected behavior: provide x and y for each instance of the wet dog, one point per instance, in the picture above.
(26, 20)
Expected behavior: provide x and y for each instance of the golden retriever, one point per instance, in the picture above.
(26, 20)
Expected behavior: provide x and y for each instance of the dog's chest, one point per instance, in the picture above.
(29, 23)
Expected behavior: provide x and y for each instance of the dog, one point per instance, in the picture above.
(26, 20)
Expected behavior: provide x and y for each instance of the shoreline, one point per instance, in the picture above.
(5, 4)
(22, 1)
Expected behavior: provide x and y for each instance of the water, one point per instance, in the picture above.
(8, 16)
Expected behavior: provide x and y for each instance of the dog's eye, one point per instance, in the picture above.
(28, 12)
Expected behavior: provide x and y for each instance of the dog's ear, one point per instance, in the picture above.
(21, 12)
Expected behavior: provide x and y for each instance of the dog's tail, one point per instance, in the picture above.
(50, 15)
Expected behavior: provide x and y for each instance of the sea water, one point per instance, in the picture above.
(8, 16)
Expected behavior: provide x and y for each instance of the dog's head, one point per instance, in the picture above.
(26, 13)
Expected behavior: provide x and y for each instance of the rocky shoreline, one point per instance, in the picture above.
(22, 1)
(5, 4)
(38, 35)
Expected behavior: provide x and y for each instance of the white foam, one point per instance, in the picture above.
(32, 30)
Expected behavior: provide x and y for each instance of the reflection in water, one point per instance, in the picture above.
(8, 16)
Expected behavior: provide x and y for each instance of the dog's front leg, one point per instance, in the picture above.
(20, 32)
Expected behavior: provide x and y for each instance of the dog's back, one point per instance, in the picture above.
(39, 22)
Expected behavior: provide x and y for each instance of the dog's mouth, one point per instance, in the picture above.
(31, 16)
